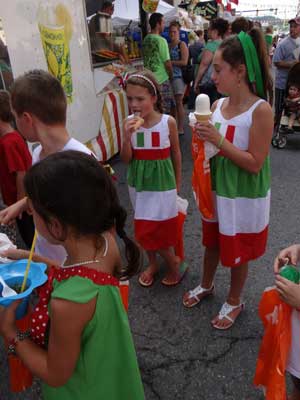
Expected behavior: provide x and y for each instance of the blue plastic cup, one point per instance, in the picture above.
(13, 274)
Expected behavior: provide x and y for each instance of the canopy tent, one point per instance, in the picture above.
(127, 10)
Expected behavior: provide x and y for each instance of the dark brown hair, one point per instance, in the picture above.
(240, 24)
(135, 80)
(5, 111)
(88, 202)
(220, 25)
(233, 54)
(41, 94)
(155, 19)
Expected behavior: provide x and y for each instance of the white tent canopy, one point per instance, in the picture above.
(126, 10)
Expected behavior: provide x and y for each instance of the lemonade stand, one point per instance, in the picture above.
(53, 35)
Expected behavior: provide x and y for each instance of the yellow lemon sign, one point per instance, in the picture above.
(56, 44)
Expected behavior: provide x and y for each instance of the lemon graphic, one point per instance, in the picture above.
(52, 63)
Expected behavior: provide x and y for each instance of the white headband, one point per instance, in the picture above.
(145, 79)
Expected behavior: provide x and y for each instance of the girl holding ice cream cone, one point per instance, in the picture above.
(241, 127)
(154, 176)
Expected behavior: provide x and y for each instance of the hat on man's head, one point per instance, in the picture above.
(295, 20)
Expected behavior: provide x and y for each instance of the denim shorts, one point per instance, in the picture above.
(178, 86)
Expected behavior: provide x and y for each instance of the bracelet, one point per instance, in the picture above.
(219, 145)
(12, 344)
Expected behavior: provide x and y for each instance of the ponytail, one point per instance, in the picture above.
(133, 253)
(261, 48)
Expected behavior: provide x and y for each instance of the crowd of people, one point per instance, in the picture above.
(77, 213)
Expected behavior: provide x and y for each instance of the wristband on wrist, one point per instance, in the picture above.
(219, 145)
(12, 344)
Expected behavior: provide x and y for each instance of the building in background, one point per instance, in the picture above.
(286, 9)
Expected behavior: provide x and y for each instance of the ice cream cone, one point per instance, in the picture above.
(202, 117)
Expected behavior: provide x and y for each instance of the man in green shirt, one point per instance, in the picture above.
(157, 60)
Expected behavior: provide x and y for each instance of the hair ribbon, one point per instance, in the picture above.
(252, 63)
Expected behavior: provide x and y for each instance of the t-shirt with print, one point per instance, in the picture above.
(43, 247)
(14, 157)
(284, 52)
(156, 53)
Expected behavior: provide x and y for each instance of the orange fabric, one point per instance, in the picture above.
(201, 180)
(20, 377)
(275, 346)
(124, 292)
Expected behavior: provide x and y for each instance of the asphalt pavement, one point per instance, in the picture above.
(181, 356)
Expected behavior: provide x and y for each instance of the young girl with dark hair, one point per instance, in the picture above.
(83, 348)
(241, 127)
(154, 176)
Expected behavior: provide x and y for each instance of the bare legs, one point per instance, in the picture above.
(179, 112)
(172, 261)
(147, 276)
(292, 119)
(238, 279)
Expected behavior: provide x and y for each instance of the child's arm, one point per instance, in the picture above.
(289, 291)
(175, 151)
(20, 184)
(128, 129)
(291, 254)
(260, 136)
(18, 254)
(56, 365)
(12, 212)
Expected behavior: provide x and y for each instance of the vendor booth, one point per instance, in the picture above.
(54, 35)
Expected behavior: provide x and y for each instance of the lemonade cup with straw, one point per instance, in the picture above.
(23, 276)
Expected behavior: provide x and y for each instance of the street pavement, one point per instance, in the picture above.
(181, 356)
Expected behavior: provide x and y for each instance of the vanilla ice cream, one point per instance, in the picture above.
(202, 111)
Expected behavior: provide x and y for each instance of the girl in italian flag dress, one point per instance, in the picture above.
(151, 148)
(241, 127)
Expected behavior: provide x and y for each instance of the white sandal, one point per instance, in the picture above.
(195, 293)
(227, 309)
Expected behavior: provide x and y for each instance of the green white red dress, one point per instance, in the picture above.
(242, 199)
(152, 187)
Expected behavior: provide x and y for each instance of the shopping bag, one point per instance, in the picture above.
(275, 346)
(182, 205)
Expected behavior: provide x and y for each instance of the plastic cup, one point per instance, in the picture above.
(20, 377)
(13, 274)
(15, 282)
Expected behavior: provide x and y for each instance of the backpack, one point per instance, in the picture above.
(187, 70)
